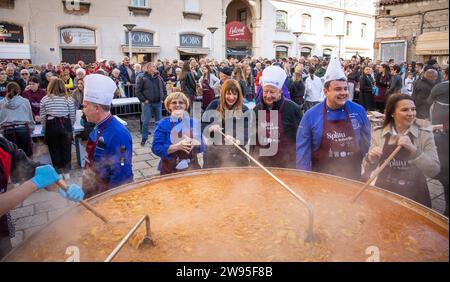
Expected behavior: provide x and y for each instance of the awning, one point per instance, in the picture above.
(237, 31)
(432, 43)
(193, 51)
(238, 52)
(137, 50)
(15, 51)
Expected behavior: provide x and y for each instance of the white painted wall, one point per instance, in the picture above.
(42, 19)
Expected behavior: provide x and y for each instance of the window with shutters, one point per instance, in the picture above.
(192, 6)
(282, 19)
(306, 23)
(139, 3)
(328, 26)
(348, 30)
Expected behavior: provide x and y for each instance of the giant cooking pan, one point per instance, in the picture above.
(244, 215)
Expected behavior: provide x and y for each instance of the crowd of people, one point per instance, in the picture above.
(303, 113)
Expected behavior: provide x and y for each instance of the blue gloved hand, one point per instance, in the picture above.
(74, 193)
(45, 176)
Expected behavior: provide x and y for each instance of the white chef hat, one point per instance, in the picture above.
(274, 75)
(99, 89)
(334, 71)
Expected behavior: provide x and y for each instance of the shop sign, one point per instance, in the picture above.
(191, 40)
(11, 33)
(140, 38)
(77, 36)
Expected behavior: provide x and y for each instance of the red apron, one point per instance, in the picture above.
(169, 165)
(93, 184)
(5, 165)
(338, 153)
(5, 169)
(285, 156)
(402, 178)
(208, 94)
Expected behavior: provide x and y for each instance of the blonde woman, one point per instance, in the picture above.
(221, 113)
(57, 117)
(176, 141)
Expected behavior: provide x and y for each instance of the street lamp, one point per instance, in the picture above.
(130, 27)
(212, 30)
(340, 37)
(297, 35)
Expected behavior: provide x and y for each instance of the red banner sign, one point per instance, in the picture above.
(237, 31)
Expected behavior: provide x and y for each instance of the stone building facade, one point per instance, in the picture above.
(412, 30)
(55, 30)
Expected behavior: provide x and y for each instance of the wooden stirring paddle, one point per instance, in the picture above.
(62, 184)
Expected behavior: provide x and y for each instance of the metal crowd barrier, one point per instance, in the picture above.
(127, 103)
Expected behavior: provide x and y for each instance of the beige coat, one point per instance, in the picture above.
(426, 158)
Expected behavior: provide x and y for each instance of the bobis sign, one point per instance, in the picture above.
(140, 38)
(191, 40)
(237, 31)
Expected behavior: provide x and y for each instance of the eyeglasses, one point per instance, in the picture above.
(177, 103)
(24, 73)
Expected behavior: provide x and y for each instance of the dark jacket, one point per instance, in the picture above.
(124, 74)
(189, 84)
(421, 92)
(290, 120)
(151, 88)
(297, 91)
(366, 84)
(227, 155)
(395, 85)
(43, 80)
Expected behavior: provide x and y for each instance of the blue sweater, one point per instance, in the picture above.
(163, 137)
(309, 133)
(108, 158)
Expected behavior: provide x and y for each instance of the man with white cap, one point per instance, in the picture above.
(334, 135)
(109, 148)
(277, 120)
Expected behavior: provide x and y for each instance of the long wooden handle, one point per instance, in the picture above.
(378, 171)
(61, 183)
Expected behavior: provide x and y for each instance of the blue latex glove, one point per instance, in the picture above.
(74, 193)
(45, 176)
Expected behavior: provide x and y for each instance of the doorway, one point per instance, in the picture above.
(239, 42)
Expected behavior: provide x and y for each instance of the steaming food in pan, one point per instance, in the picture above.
(243, 215)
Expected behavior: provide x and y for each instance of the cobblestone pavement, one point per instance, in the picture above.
(42, 207)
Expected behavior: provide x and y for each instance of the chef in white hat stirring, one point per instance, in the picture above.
(109, 148)
(334, 135)
(277, 120)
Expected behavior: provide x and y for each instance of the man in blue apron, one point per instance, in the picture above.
(334, 135)
(109, 148)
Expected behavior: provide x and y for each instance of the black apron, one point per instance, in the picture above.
(403, 178)
(168, 166)
(285, 156)
(20, 134)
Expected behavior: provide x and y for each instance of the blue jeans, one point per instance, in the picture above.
(147, 116)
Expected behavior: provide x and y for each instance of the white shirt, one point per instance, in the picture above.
(314, 90)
